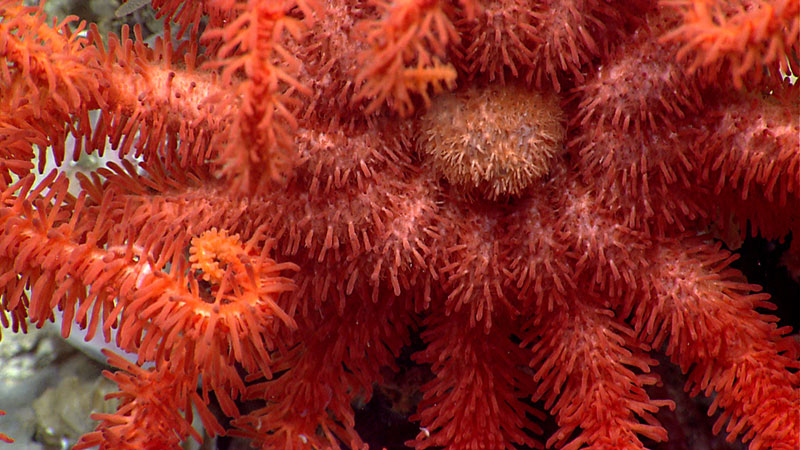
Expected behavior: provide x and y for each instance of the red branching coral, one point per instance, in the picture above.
(737, 36)
(295, 206)
(155, 409)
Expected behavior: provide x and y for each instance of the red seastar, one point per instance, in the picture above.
(543, 226)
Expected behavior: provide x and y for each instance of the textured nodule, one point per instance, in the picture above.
(493, 140)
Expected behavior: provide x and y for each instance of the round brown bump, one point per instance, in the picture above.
(493, 140)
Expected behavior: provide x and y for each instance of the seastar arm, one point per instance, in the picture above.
(476, 397)
(705, 314)
(333, 359)
(749, 149)
(592, 374)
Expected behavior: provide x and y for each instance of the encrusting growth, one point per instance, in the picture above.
(495, 140)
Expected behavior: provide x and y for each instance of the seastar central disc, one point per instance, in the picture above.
(494, 141)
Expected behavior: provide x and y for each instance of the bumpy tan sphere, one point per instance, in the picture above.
(494, 141)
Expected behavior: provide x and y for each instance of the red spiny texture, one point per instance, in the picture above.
(277, 231)
(585, 370)
(488, 397)
(647, 92)
(738, 37)
(155, 409)
(407, 44)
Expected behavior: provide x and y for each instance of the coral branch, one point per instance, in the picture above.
(407, 46)
(738, 37)
(50, 79)
(155, 410)
(260, 134)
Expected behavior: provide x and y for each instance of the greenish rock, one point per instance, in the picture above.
(62, 412)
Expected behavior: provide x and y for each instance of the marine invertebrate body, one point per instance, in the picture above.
(527, 186)
(497, 139)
